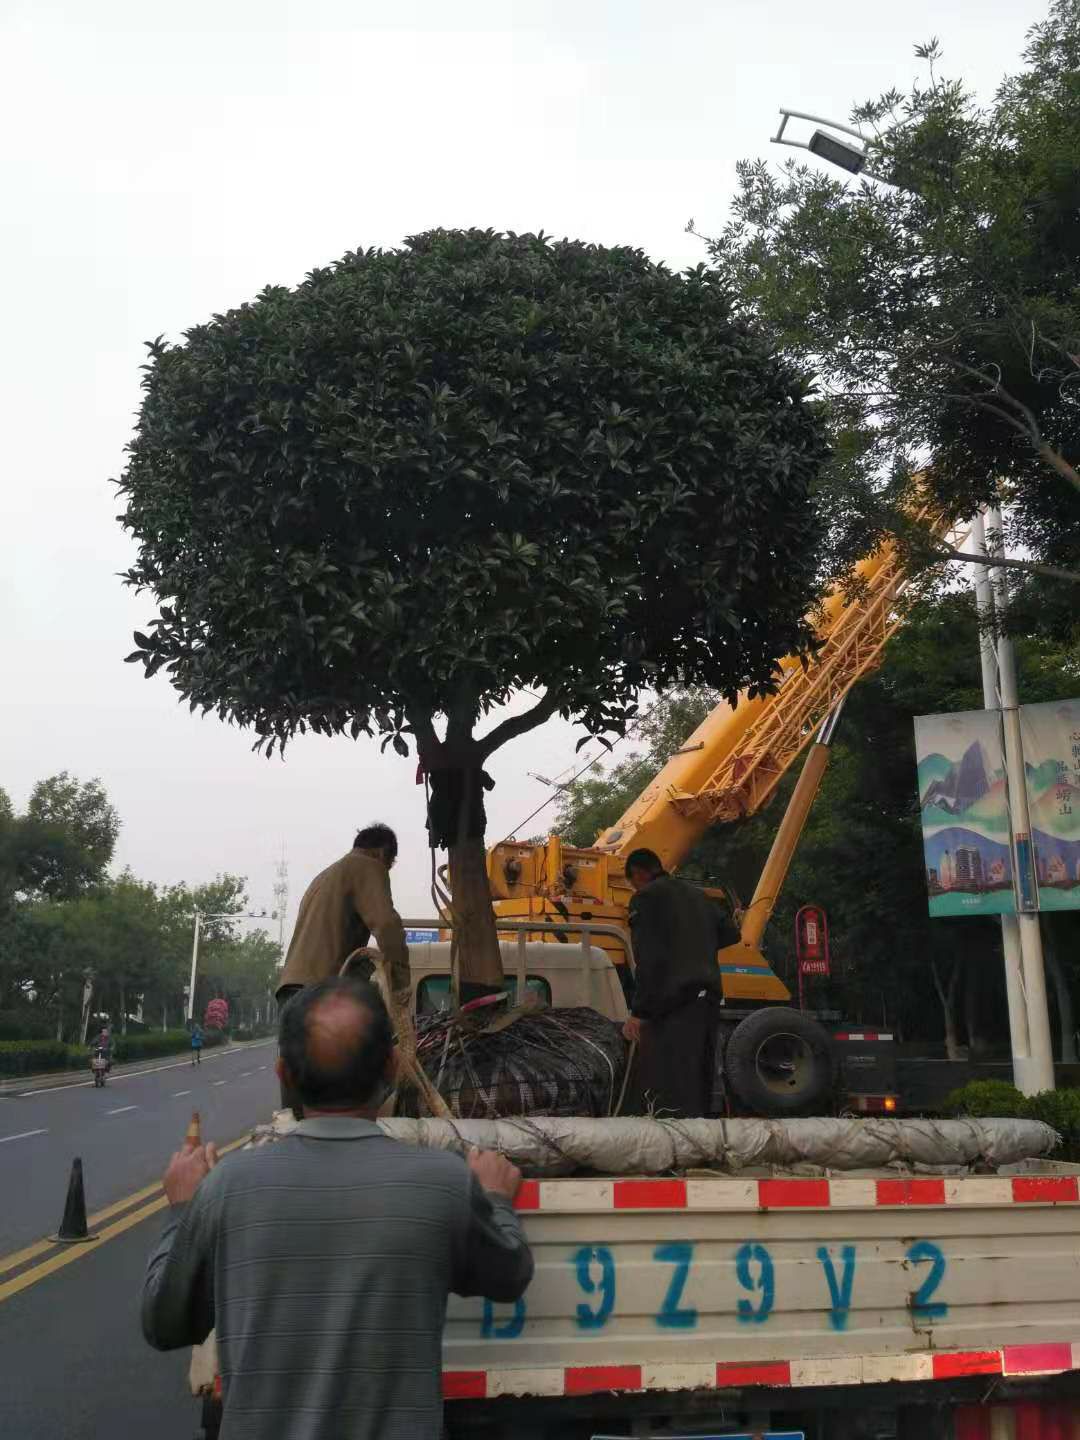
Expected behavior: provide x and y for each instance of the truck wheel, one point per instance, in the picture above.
(779, 1062)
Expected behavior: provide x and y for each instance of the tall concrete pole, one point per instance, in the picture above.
(1023, 1077)
(194, 967)
(1039, 1068)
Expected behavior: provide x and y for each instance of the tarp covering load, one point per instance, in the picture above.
(553, 1146)
(528, 1062)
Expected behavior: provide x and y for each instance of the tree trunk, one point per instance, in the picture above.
(1066, 1017)
(971, 1011)
(948, 1006)
(84, 1019)
(123, 1009)
(474, 920)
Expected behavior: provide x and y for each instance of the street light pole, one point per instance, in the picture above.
(1038, 1072)
(851, 158)
(1025, 1076)
(199, 918)
(194, 966)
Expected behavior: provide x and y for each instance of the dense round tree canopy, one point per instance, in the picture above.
(427, 477)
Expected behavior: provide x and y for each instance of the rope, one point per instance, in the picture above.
(626, 1078)
(578, 773)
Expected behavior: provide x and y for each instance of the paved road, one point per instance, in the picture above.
(75, 1365)
(124, 1133)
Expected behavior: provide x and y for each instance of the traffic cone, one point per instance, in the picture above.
(193, 1137)
(73, 1226)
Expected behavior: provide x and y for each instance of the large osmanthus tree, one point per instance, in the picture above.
(428, 479)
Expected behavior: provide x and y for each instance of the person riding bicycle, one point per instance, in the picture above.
(103, 1045)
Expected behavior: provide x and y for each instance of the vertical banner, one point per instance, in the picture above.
(965, 814)
(1051, 740)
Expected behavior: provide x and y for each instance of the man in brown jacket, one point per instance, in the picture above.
(342, 908)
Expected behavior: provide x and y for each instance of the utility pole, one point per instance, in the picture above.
(281, 899)
(194, 967)
(1024, 1077)
(281, 904)
(1038, 1072)
(199, 917)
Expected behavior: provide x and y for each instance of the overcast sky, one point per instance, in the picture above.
(163, 162)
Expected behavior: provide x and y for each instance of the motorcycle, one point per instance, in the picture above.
(100, 1064)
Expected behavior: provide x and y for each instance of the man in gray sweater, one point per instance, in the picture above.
(323, 1261)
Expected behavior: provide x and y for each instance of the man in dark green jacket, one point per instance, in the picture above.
(676, 931)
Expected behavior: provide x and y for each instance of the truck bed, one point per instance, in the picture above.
(672, 1284)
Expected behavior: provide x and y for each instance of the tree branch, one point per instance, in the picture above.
(517, 725)
(1052, 572)
(1027, 424)
(1057, 461)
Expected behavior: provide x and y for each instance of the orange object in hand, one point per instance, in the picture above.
(193, 1138)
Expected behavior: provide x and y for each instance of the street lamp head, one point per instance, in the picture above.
(837, 151)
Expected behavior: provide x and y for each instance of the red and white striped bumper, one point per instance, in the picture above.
(1013, 1360)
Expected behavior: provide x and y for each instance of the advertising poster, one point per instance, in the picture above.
(1051, 740)
(965, 816)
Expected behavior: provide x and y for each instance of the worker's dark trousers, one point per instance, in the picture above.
(289, 1098)
(676, 1062)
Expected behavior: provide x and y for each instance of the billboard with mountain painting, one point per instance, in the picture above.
(965, 816)
(1051, 738)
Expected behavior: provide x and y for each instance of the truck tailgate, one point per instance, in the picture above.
(672, 1284)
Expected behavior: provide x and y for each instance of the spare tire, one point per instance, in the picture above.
(779, 1062)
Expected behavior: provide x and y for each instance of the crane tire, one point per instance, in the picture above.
(780, 1062)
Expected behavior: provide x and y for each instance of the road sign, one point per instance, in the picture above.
(811, 944)
(421, 937)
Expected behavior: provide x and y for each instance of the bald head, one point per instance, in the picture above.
(336, 1044)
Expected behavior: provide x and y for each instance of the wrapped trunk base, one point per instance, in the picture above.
(549, 1146)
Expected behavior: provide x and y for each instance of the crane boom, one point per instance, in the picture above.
(736, 757)
(728, 769)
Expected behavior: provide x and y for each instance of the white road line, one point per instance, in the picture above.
(135, 1074)
(245, 1073)
(263, 1067)
(24, 1136)
(178, 1093)
(221, 1082)
(121, 1110)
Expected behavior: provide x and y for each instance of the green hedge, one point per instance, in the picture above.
(33, 1057)
(149, 1043)
(1057, 1108)
(24, 1057)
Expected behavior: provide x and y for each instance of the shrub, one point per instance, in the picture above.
(217, 1014)
(982, 1098)
(213, 1036)
(149, 1043)
(1060, 1109)
(23, 1057)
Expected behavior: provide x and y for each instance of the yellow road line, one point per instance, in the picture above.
(68, 1254)
(75, 1252)
(39, 1247)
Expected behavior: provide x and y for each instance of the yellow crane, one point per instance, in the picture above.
(728, 769)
